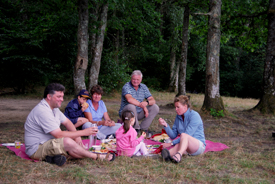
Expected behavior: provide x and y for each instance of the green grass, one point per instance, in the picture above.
(250, 159)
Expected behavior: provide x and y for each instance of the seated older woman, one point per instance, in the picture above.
(189, 125)
(96, 111)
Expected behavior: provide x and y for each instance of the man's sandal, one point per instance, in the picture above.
(106, 157)
(166, 155)
(175, 159)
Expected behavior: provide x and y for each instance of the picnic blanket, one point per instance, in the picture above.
(20, 152)
(210, 146)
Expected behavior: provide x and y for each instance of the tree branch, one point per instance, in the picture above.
(245, 16)
(251, 16)
(205, 14)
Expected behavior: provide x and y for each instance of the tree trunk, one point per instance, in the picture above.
(267, 101)
(184, 50)
(212, 98)
(173, 72)
(94, 19)
(97, 52)
(82, 42)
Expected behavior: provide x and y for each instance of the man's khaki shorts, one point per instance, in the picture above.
(51, 147)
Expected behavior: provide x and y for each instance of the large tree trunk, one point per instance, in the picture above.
(212, 98)
(173, 86)
(82, 41)
(184, 50)
(267, 101)
(97, 51)
(94, 19)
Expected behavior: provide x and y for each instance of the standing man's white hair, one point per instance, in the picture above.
(136, 72)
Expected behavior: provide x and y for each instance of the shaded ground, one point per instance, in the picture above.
(240, 126)
(250, 158)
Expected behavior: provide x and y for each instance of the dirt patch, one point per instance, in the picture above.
(17, 110)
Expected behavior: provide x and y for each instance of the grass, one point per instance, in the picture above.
(250, 159)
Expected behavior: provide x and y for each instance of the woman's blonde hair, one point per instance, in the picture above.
(183, 100)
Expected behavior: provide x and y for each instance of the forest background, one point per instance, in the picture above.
(39, 43)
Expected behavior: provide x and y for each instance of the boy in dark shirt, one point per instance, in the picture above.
(76, 107)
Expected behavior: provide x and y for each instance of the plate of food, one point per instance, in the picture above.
(109, 146)
(98, 149)
(161, 138)
(152, 148)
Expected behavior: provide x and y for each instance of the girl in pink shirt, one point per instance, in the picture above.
(127, 143)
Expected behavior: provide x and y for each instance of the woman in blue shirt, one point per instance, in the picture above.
(189, 125)
(96, 111)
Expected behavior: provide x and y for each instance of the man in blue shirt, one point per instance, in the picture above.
(137, 98)
(76, 107)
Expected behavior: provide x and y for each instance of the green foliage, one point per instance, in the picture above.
(35, 42)
(246, 21)
(38, 43)
(196, 58)
(216, 113)
(112, 75)
(240, 71)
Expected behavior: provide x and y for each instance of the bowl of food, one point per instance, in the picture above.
(96, 147)
(105, 141)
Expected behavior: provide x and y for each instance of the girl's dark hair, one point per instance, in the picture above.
(126, 118)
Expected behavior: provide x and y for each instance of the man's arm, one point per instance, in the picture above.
(72, 133)
(132, 100)
(142, 105)
(151, 100)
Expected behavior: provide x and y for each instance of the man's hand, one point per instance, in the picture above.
(146, 113)
(91, 131)
(143, 104)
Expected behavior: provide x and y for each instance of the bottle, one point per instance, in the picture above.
(92, 138)
(17, 144)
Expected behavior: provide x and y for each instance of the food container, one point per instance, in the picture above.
(105, 140)
(17, 144)
(97, 147)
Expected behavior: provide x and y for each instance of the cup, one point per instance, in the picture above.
(92, 138)
(94, 125)
(17, 144)
(168, 140)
